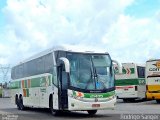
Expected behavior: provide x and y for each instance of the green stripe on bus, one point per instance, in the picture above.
(44, 81)
(25, 84)
(49, 77)
(122, 82)
(41, 81)
(95, 95)
(0, 92)
(99, 95)
(15, 85)
(27, 92)
(34, 82)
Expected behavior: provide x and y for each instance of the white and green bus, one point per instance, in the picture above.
(130, 82)
(64, 80)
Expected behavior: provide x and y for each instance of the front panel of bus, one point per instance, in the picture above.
(90, 82)
(153, 79)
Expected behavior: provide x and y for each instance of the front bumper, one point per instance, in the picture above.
(75, 104)
(153, 95)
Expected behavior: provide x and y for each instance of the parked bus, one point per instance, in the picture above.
(64, 80)
(153, 79)
(130, 82)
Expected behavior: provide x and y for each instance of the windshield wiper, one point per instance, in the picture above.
(89, 79)
(95, 72)
(98, 79)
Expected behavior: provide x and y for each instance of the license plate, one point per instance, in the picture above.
(95, 105)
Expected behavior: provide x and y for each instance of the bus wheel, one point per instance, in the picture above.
(158, 101)
(16, 99)
(92, 112)
(20, 103)
(131, 100)
(125, 100)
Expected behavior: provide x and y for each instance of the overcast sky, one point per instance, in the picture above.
(128, 29)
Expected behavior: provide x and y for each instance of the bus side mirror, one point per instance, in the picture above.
(66, 64)
(117, 65)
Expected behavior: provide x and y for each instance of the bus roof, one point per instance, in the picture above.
(136, 64)
(58, 48)
(42, 53)
(150, 60)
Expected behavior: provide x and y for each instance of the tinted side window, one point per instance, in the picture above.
(16, 72)
(32, 68)
(29, 65)
(37, 66)
(40, 65)
(25, 67)
(13, 73)
(141, 71)
(49, 63)
(20, 71)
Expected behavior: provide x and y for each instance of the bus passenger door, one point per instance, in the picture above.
(63, 85)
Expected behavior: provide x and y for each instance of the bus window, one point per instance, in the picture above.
(141, 71)
(40, 65)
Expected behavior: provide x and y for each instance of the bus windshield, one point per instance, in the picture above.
(90, 71)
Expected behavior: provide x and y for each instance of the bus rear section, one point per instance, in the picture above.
(130, 83)
(153, 79)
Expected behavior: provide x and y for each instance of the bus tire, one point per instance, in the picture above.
(131, 100)
(20, 103)
(16, 99)
(158, 101)
(125, 100)
(92, 112)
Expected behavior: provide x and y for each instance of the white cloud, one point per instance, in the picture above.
(33, 26)
(135, 40)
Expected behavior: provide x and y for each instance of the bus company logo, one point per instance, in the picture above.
(96, 96)
(157, 64)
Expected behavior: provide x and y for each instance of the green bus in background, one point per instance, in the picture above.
(130, 82)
